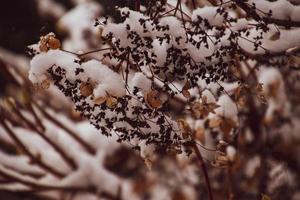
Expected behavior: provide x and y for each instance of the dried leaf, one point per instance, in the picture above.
(227, 125)
(53, 43)
(43, 45)
(86, 89)
(197, 110)
(148, 163)
(214, 122)
(186, 86)
(201, 110)
(186, 94)
(100, 100)
(153, 99)
(49, 42)
(184, 128)
(199, 134)
(273, 88)
(212, 107)
(111, 102)
(45, 84)
(259, 88)
(237, 93)
(220, 161)
(185, 90)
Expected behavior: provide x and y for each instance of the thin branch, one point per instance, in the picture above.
(204, 170)
(61, 152)
(40, 187)
(27, 151)
(86, 53)
(84, 144)
(268, 20)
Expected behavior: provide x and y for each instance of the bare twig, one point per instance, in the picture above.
(27, 151)
(61, 152)
(204, 170)
(84, 144)
(252, 13)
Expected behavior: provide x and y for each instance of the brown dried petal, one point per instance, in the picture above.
(184, 128)
(45, 84)
(153, 99)
(237, 93)
(111, 102)
(186, 94)
(198, 110)
(273, 88)
(100, 100)
(227, 125)
(199, 135)
(259, 88)
(214, 122)
(43, 45)
(211, 107)
(53, 43)
(186, 86)
(86, 89)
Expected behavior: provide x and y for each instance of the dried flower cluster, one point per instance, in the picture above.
(159, 56)
(178, 76)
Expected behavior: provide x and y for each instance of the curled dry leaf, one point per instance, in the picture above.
(86, 89)
(201, 110)
(45, 84)
(184, 128)
(186, 94)
(214, 122)
(221, 160)
(49, 42)
(153, 99)
(111, 102)
(148, 163)
(199, 134)
(100, 100)
(185, 90)
(273, 89)
(227, 125)
(237, 92)
(43, 45)
(53, 43)
(259, 88)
